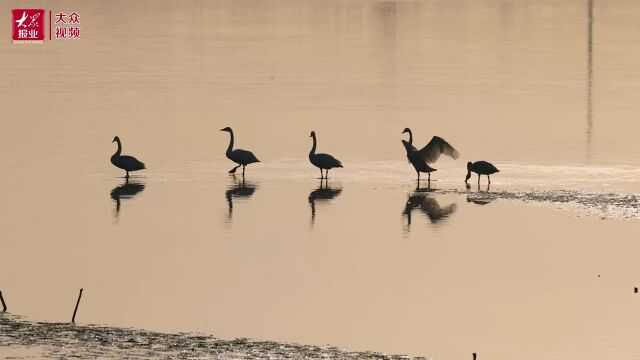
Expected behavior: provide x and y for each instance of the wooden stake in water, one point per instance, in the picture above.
(73, 319)
(4, 306)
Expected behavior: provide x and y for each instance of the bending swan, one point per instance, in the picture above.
(238, 156)
(481, 168)
(125, 162)
(323, 161)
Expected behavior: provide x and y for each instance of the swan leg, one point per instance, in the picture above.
(233, 171)
(418, 175)
(429, 177)
(326, 174)
(127, 176)
(478, 179)
(489, 177)
(243, 171)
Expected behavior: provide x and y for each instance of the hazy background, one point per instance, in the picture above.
(528, 85)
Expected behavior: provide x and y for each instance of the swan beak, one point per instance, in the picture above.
(467, 178)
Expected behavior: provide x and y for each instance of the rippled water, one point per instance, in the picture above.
(541, 264)
(61, 340)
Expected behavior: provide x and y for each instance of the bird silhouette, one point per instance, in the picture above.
(321, 194)
(125, 162)
(420, 159)
(481, 168)
(238, 156)
(322, 161)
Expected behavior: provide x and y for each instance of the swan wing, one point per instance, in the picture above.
(127, 162)
(327, 161)
(436, 147)
(243, 156)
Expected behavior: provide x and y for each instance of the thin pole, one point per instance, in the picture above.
(73, 319)
(4, 306)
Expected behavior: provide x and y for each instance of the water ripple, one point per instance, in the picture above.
(605, 205)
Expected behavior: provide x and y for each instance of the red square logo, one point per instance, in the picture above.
(27, 24)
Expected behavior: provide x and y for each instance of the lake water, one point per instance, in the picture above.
(541, 265)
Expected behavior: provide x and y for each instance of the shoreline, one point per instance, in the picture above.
(57, 340)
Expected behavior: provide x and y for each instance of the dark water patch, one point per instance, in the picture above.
(64, 340)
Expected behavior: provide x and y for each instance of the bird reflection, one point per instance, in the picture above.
(322, 193)
(481, 197)
(239, 189)
(428, 205)
(128, 190)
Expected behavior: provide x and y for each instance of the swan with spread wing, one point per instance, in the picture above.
(420, 159)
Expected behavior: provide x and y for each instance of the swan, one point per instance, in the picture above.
(420, 159)
(322, 161)
(238, 156)
(125, 162)
(481, 168)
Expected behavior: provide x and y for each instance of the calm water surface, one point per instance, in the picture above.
(548, 91)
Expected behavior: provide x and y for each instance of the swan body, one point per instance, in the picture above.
(481, 168)
(125, 162)
(322, 161)
(416, 160)
(238, 156)
(420, 159)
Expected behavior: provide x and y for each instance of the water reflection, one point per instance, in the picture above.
(238, 189)
(480, 197)
(468, 186)
(128, 190)
(428, 205)
(479, 200)
(589, 130)
(322, 193)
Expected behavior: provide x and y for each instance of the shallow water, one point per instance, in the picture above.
(539, 265)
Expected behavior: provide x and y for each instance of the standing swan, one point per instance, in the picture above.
(480, 168)
(428, 154)
(323, 161)
(238, 156)
(125, 162)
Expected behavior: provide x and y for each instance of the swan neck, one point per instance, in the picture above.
(119, 148)
(230, 148)
(313, 148)
(410, 138)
